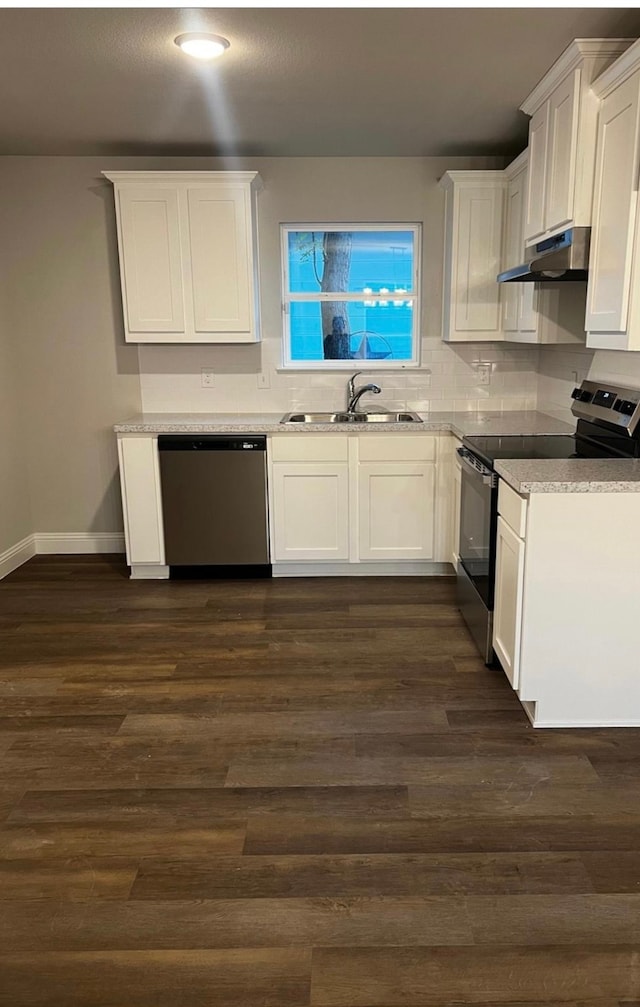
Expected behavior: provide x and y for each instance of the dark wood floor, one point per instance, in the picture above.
(293, 792)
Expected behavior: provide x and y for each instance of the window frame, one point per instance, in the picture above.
(356, 296)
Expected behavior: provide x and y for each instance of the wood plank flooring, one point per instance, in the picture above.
(295, 793)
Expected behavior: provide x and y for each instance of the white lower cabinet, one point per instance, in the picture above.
(310, 513)
(507, 616)
(554, 624)
(358, 498)
(395, 510)
(141, 500)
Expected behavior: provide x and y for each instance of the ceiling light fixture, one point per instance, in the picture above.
(201, 45)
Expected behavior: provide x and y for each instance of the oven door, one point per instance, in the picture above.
(478, 524)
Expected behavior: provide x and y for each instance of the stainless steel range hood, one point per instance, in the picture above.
(563, 257)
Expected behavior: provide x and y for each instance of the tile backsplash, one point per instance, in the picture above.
(449, 378)
(560, 369)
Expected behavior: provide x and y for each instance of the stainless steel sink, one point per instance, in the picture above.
(403, 417)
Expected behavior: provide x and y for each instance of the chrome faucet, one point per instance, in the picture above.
(355, 394)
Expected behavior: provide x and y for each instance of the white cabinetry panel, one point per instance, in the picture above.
(141, 500)
(396, 510)
(151, 266)
(615, 204)
(310, 511)
(472, 255)
(536, 183)
(507, 616)
(220, 256)
(563, 148)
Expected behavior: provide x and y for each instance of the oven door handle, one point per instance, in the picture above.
(476, 468)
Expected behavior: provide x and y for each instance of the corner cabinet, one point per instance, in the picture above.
(187, 243)
(562, 132)
(613, 301)
(474, 209)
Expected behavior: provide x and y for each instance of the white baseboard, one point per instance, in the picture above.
(16, 555)
(399, 568)
(58, 543)
(149, 571)
(76, 543)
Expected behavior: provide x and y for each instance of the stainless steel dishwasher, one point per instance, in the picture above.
(214, 501)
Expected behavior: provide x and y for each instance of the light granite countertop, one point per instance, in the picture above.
(459, 423)
(571, 475)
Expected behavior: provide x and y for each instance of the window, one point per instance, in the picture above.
(351, 294)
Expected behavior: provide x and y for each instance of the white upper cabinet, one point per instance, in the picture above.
(188, 256)
(613, 308)
(474, 208)
(562, 131)
(534, 312)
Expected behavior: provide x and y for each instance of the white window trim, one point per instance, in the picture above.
(287, 298)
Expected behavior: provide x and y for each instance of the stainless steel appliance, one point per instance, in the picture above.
(214, 502)
(565, 256)
(608, 427)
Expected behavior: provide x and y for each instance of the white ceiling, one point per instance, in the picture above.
(318, 81)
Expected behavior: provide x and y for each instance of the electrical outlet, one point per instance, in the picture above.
(484, 374)
(208, 378)
(264, 379)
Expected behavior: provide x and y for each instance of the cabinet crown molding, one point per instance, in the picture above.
(251, 178)
(470, 178)
(518, 164)
(576, 53)
(623, 67)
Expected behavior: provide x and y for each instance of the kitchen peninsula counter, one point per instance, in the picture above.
(571, 475)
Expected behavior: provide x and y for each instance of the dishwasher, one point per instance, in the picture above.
(214, 503)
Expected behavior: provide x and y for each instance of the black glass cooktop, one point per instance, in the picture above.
(490, 449)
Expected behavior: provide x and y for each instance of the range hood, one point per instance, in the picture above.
(565, 256)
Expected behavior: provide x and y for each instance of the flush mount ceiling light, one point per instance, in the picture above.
(201, 45)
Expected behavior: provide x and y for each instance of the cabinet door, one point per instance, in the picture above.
(396, 510)
(616, 192)
(310, 511)
(141, 501)
(562, 151)
(514, 250)
(538, 144)
(475, 293)
(221, 258)
(507, 615)
(151, 264)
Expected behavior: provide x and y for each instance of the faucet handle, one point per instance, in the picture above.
(352, 381)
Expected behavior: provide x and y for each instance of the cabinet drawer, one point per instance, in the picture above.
(395, 447)
(309, 448)
(512, 508)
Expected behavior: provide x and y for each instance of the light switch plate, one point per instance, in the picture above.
(264, 379)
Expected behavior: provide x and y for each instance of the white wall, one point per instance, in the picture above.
(15, 509)
(341, 189)
(76, 376)
(560, 369)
